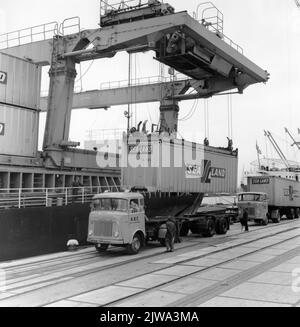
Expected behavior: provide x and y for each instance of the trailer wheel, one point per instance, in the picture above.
(184, 230)
(222, 226)
(210, 229)
(276, 216)
(195, 229)
(297, 213)
(101, 247)
(135, 245)
(162, 241)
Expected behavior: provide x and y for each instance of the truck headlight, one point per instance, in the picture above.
(91, 228)
(116, 232)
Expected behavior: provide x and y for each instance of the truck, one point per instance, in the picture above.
(270, 198)
(119, 219)
(169, 180)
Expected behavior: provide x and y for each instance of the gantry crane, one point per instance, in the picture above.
(187, 44)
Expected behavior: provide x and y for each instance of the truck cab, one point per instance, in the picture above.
(257, 204)
(117, 219)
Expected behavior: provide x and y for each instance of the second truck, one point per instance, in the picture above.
(270, 198)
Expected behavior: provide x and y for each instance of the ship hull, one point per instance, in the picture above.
(36, 231)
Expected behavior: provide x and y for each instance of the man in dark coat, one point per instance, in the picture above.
(171, 233)
(245, 219)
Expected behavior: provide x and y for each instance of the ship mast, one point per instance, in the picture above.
(277, 149)
(295, 142)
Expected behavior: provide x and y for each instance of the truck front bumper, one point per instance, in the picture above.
(97, 240)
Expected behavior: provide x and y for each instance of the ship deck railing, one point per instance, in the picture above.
(48, 197)
(19, 198)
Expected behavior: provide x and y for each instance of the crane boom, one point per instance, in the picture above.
(295, 142)
(277, 148)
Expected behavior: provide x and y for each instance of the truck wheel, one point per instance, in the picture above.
(184, 230)
(290, 214)
(211, 228)
(222, 226)
(135, 246)
(265, 221)
(101, 247)
(297, 213)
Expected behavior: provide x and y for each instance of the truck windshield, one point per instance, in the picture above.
(110, 205)
(250, 197)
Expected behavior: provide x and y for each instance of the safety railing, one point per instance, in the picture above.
(141, 81)
(39, 33)
(107, 6)
(213, 19)
(29, 35)
(48, 197)
(233, 44)
(70, 26)
(104, 134)
(211, 15)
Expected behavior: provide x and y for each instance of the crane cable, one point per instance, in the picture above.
(229, 108)
(135, 89)
(191, 113)
(130, 90)
(87, 70)
(206, 119)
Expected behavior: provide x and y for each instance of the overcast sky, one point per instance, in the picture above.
(269, 32)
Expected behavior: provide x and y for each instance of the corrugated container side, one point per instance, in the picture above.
(263, 184)
(215, 171)
(19, 135)
(21, 82)
(281, 192)
(287, 192)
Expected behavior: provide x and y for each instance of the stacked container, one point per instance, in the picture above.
(20, 82)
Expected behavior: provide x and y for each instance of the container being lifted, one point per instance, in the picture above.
(162, 164)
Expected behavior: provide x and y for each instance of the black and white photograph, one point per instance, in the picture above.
(149, 157)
